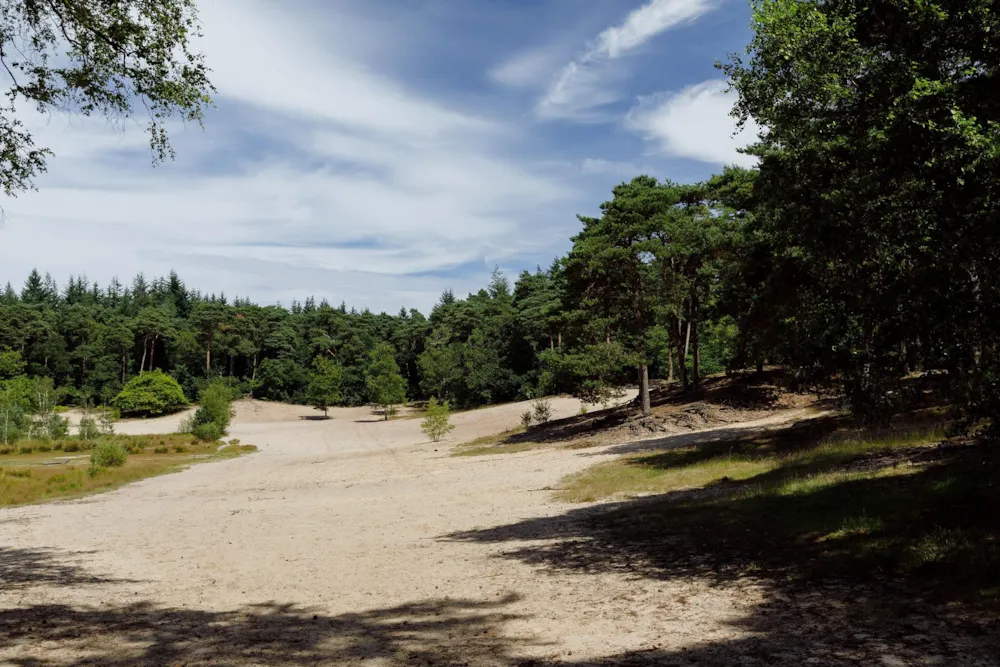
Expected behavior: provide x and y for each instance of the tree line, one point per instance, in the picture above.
(864, 247)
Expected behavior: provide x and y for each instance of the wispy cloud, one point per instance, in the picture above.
(588, 82)
(694, 123)
(317, 175)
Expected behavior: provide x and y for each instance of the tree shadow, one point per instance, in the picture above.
(431, 632)
(741, 391)
(737, 439)
(315, 418)
(903, 563)
(23, 568)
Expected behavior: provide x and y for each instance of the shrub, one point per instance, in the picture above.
(6, 450)
(89, 429)
(180, 449)
(44, 448)
(208, 432)
(541, 410)
(526, 419)
(160, 450)
(26, 449)
(108, 454)
(437, 423)
(583, 409)
(151, 394)
(56, 427)
(214, 413)
(71, 447)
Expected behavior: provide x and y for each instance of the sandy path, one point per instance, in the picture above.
(336, 544)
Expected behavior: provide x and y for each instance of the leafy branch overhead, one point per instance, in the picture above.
(119, 59)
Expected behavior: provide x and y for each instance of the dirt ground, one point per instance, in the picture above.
(357, 541)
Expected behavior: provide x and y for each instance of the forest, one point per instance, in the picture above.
(863, 248)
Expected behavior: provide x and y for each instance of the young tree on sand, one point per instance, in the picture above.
(437, 424)
(386, 387)
(324, 385)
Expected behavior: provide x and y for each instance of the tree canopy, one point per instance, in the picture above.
(113, 58)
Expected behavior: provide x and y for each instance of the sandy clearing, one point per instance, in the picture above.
(336, 544)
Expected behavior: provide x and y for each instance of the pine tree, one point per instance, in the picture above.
(386, 387)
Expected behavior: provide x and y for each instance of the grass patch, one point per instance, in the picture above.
(843, 503)
(789, 455)
(38, 476)
(641, 476)
(494, 444)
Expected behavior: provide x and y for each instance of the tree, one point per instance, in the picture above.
(437, 423)
(105, 57)
(878, 189)
(611, 269)
(324, 385)
(208, 317)
(386, 387)
(150, 395)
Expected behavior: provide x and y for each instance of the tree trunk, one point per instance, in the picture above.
(687, 340)
(142, 364)
(670, 367)
(696, 348)
(208, 357)
(760, 366)
(552, 342)
(681, 357)
(124, 363)
(644, 389)
(560, 340)
(696, 362)
(152, 352)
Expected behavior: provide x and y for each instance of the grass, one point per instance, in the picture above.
(39, 476)
(494, 444)
(792, 454)
(802, 503)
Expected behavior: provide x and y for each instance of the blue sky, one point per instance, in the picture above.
(379, 151)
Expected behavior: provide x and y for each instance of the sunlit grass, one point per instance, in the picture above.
(700, 466)
(53, 474)
(494, 444)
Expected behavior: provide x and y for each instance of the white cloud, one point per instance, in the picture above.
(588, 82)
(695, 123)
(614, 167)
(316, 176)
(530, 68)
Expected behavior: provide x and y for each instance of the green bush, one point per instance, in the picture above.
(71, 447)
(541, 410)
(208, 432)
(26, 449)
(149, 395)
(437, 424)
(56, 427)
(161, 450)
(108, 454)
(215, 411)
(89, 429)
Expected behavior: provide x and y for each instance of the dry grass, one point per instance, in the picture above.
(494, 444)
(39, 476)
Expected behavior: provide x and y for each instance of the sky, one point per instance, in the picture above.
(378, 152)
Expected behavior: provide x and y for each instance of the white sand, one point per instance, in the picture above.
(342, 519)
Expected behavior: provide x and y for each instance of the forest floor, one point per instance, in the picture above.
(357, 541)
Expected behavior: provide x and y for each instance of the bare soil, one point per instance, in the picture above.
(356, 541)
